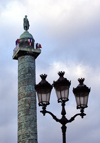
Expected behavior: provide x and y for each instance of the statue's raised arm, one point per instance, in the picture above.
(26, 23)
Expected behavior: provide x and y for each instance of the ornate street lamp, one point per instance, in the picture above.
(61, 86)
(43, 91)
(81, 93)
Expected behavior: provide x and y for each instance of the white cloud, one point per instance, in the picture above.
(13, 12)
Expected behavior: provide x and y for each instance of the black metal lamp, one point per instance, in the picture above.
(62, 87)
(81, 93)
(43, 91)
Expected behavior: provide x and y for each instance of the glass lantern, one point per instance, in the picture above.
(43, 91)
(62, 87)
(81, 93)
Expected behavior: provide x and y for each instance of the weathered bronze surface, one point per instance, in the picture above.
(25, 23)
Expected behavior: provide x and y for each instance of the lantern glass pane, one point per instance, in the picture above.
(39, 97)
(86, 99)
(48, 97)
(82, 104)
(58, 94)
(81, 100)
(66, 93)
(43, 97)
(62, 93)
(77, 100)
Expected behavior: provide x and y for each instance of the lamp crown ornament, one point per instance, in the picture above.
(81, 87)
(61, 73)
(43, 82)
(43, 76)
(81, 80)
(61, 80)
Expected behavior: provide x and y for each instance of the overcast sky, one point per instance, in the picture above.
(69, 32)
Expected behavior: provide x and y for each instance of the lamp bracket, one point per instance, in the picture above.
(63, 120)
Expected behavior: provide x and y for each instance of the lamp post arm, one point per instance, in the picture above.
(73, 118)
(53, 116)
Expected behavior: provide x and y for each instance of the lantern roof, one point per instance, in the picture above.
(81, 87)
(61, 81)
(43, 84)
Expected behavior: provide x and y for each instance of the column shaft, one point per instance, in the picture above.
(27, 118)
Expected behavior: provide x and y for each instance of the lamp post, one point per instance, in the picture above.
(61, 87)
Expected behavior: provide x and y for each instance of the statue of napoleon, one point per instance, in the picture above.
(26, 23)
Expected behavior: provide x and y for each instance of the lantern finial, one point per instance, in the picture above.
(61, 73)
(43, 76)
(81, 80)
